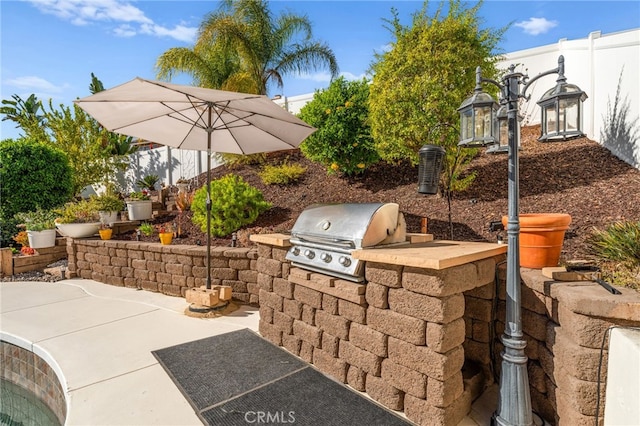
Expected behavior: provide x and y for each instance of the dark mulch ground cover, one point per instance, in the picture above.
(577, 177)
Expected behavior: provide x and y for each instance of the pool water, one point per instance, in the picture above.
(19, 407)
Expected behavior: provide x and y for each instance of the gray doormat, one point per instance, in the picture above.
(239, 378)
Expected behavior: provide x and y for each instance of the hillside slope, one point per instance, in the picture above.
(577, 177)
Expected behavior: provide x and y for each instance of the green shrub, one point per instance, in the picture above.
(343, 141)
(146, 229)
(283, 174)
(618, 247)
(83, 211)
(620, 242)
(32, 175)
(237, 160)
(234, 203)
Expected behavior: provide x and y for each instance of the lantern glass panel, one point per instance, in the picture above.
(483, 121)
(570, 110)
(551, 121)
(466, 118)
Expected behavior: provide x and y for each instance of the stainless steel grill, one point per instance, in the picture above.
(325, 235)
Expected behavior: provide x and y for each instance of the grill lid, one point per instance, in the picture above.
(355, 225)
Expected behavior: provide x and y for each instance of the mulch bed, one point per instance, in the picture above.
(577, 177)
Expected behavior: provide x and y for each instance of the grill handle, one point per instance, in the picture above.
(319, 245)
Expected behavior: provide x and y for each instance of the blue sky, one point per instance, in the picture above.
(51, 47)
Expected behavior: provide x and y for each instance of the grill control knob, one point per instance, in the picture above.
(344, 261)
(309, 254)
(295, 251)
(325, 257)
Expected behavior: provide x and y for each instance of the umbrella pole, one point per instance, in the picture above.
(209, 202)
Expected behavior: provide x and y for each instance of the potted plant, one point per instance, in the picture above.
(139, 206)
(166, 234)
(78, 219)
(108, 207)
(148, 182)
(41, 227)
(105, 231)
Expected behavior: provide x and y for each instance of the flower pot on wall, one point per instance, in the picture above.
(541, 238)
(166, 237)
(105, 234)
(78, 230)
(42, 239)
(139, 210)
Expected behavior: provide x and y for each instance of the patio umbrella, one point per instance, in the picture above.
(196, 118)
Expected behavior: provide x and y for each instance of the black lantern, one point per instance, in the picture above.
(502, 134)
(478, 117)
(430, 168)
(561, 119)
(561, 106)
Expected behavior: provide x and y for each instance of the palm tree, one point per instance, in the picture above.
(243, 47)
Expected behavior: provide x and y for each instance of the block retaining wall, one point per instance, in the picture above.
(167, 269)
(404, 336)
(564, 325)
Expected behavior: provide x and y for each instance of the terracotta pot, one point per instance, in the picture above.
(105, 234)
(166, 237)
(541, 238)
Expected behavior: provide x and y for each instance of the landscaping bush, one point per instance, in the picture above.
(283, 174)
(343, 141)
(619, 247)
(234, 203)
(33, 175)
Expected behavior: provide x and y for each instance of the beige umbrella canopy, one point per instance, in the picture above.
(195, 118)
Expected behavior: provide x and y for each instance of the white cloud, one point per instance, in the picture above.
(323, 77)
(535, 26)
(350, 76)
(129, 20)
(33, 84)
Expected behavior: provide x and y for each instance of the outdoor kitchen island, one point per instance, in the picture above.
(414, 334)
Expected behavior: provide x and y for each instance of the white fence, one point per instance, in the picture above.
(596, 64)
(169, 164)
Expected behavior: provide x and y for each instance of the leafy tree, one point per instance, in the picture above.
(343, 140)
(27, 114)
(81, 138)
(209, 65)
(426, 75)
(39, 176)
(243, 47)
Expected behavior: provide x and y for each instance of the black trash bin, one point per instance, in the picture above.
(430, 168)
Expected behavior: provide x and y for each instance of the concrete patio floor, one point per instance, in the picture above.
(99, 339)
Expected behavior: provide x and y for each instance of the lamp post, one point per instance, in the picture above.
(561, 120)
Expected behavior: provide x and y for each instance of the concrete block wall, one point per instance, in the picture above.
(564, 326)
(167, 269)
(400, 337)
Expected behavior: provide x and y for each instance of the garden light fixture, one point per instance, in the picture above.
(561, 120)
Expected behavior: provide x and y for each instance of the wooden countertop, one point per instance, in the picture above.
(437, 254)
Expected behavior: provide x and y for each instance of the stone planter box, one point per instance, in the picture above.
(11, 265)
